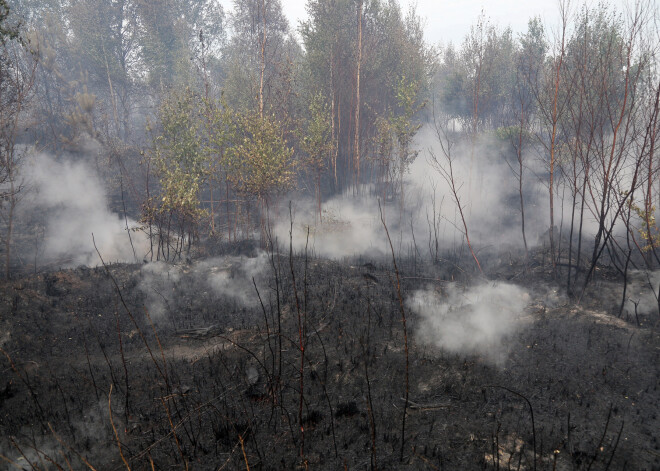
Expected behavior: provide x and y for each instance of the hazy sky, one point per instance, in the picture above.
(450, 20)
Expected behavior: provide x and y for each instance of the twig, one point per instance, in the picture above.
(128, 230)
(4, 458)
(130, 314)
(415, 406)
(370, 407)
(405, 333)
(176, 438)
(602, 438)
(114, 429)
(300, 335)
(63, 443)
(247, 465)
(616, 444)
(531, 410)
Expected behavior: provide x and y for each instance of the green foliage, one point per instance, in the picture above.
(475, 82)
(242, 56)
(220, 129)
(180, 157)
(384, 141)
(403, 124)
(258, 163)
(164, 42)
(8, 31)
(315, 135)
(507, 133)
(649, 231)
(396, 130)
(392, 47)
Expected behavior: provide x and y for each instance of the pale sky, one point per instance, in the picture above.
(450, 20)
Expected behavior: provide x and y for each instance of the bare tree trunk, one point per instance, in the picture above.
(333, 157)
(227, 210)
(356, 146)
(446, 171)
(338, 139)
(10, 225)
(651, 136)
(212, 207)
(19, 82)
(112, 93)
(263, 60)
(520, 176)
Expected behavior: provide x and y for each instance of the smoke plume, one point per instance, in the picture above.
(72, 199)
(476, 320)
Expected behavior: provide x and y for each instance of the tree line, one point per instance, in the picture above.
(208, 116)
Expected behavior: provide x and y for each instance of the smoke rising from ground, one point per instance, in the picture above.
(488, 192)
(485, 175)
(166, 287)
(475, 320)
(350, 226)
(642, 292)
(71, 197)
(158, 281)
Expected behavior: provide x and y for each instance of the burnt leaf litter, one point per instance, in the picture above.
(92, 380)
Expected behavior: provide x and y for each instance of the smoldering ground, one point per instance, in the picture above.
(166, 287)
(642, 295)
(475, 320)
(564, 359)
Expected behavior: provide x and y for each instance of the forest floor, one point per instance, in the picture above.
(198, 366)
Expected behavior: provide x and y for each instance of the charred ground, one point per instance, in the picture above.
(214, 383)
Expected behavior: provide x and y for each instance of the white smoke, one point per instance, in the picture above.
(233, 277)
(475, 320)
(641, 297)
(158, 281)
(349, 226)
(221, 277)
(485, 177)
(487, 187)
(73, 198)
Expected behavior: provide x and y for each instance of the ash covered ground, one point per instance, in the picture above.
(198, 366)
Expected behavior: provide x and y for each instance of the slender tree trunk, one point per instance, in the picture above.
(338, 143)
(318, 195)
(10, 224)
(651, 134)
(112, 93)
(263, 60)
(356, 145)
(553, 144)
(520, 176)
(227, 210)
(212, 207)
(333, 156)
(578, 256)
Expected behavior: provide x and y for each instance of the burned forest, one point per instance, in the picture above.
(236, 240)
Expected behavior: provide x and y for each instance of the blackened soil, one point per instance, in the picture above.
(88, 380)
